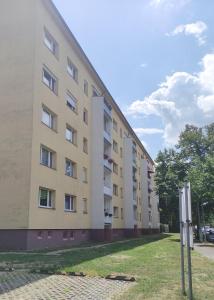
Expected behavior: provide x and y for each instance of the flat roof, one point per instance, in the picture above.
(52, 8)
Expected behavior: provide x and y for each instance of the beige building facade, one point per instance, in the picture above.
(71, 167)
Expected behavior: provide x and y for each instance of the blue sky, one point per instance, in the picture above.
(155, 56)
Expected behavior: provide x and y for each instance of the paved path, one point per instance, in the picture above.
(205, 250)
(26, 286)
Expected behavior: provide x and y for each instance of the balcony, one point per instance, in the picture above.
(107, 136)
(107, 162)
(108, 218)
(108, 191)
(107, 109)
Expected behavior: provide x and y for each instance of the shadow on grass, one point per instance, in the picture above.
(77, 257)
(206, 245)
(74, 257)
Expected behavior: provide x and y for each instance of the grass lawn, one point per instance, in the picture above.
(153, 260)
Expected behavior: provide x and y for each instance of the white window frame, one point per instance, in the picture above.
(71, 101)
(73, 138)
(72, 168)
(72, 203)
(51, 122)
(50, 198)
(72, 70)
(50, 163)
(53, 83)
(50, 42)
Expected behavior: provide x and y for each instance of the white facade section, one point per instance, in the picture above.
(97, 148)
(128, 184)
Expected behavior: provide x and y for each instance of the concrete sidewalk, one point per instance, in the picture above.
(206, 249)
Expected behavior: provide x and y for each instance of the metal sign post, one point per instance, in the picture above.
(182, 244)
(186, 234)
(189, 224)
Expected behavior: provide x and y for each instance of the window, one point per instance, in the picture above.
(71, 135)
(71, 235)
(115, 125)
(84, 175)
(121, 192)
(121, 172)
(85, 87)
(72, 70)
(70, 203)
(40, 235)
(115, 146)
(122, 213)
(47, 157)
(115, 168)
(121, 133)
(51, 43)
(65, 235)
(85, 205)
(121, 152)
(85, 116)
(49, 80)
(71, 102)
(116, 212)
(49, 234)
(115, 189)
(46, 198)
(48, 118)
(85, 145)
(70, 168)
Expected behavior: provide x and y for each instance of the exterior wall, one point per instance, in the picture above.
(22, 133)
(45, 177)
(17, 22)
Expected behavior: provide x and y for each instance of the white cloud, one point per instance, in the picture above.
(142, 131)
(196, 29)
(182, 99)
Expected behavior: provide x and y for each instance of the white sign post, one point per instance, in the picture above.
(186, 233)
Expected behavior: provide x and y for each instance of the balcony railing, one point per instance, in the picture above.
(107, 136)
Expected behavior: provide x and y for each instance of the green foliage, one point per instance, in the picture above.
(192, 160)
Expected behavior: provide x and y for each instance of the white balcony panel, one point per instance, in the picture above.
(107, 164)
(107, 136)
(108, 191)
(107, 110)
(108, 220)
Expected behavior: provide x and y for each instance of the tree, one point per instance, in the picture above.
(193, 160)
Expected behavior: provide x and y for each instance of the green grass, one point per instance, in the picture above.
(153, 260)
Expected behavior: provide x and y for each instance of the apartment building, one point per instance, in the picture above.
(71, 167)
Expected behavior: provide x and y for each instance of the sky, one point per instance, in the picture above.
(156, 58)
